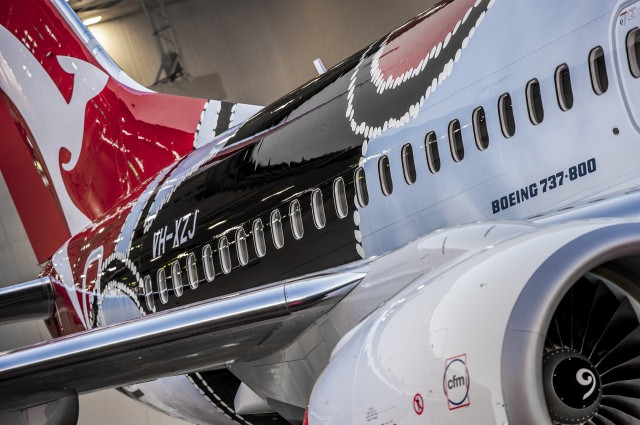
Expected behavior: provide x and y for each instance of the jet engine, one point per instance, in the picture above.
(541, 327)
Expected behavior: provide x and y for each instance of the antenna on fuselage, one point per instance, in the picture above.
(319, 66)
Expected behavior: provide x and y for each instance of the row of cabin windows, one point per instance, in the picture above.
(535, 108)
(564, 92)
(242, 249)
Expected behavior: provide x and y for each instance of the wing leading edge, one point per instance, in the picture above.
(210, 334)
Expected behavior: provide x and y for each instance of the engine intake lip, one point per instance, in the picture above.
(522, 382)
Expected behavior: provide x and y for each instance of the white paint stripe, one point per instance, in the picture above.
(125, 239)
(208, 123)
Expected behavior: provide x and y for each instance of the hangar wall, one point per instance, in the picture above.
(253, 51)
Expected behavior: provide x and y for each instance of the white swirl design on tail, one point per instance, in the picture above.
(54, 123)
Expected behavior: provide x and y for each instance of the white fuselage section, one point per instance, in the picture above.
(518, 41)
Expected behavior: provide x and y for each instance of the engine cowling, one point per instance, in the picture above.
(539, 328)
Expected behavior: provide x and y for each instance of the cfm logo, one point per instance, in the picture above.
(456, 382)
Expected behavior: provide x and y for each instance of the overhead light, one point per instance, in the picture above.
(92, 21)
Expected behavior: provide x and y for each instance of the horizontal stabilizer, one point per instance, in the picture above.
(33, 300)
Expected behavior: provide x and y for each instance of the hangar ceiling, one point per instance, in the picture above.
(109, 9)
(251, 51)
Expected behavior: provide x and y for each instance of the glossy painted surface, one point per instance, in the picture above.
(103, 138)
(443, 337)
(165, 214)
(218, 327)
(304, 142)
(282, 154)
(32, 300)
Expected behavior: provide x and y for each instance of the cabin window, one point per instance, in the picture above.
(408, 165)
(225, 256)
(176, 278)
(384, 171)
(295, 216)
(148, 293)
(362, 193)
(340, 197)
(534, 102)
(455, 141)
(633, 51)
(259, 242)
(207, 261)
(276, 229)
(598, 71)
(241, 247)
(317, 209)
(192, 271)
(480, 132)
(564, 92)
(162, 286)
(433, 155)
(507, 120)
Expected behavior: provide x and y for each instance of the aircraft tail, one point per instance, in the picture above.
(77, 134)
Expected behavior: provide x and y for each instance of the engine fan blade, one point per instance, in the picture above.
(622, 323)
(630, 388)
(600, 420)
(603, 308)
(591, 359)
(627, 349)
(626, 405)
(623, 371)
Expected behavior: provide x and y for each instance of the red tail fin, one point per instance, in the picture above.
(76, 134)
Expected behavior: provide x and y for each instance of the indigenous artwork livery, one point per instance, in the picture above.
(441, 229)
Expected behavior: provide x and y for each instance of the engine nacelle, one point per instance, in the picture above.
(516, 332)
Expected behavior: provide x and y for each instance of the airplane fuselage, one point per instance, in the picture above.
(202, 212)
(473, 111)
